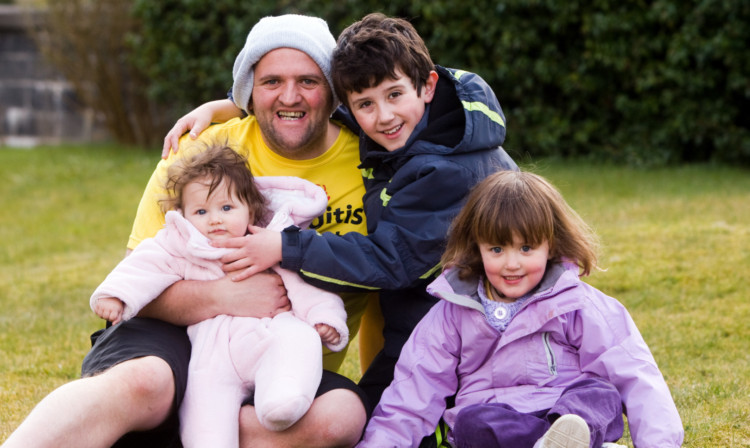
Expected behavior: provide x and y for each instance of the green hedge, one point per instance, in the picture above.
(639, 82)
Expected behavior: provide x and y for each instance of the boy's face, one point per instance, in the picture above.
(389, 112)
(219, 216)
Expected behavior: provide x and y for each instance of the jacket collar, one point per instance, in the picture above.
(464, 292)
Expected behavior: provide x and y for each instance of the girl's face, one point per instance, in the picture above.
(219, 216)
(514, 269)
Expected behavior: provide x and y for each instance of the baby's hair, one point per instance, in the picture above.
(523, 203)
(215, 162)
(372, 49)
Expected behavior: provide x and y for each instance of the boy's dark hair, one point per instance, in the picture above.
(372, 49)
(215, 162)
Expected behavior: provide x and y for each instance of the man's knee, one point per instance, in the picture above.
(342, 417)
(148, 379)
(336, 418)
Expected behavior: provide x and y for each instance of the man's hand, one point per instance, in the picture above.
(261, 295)
(254, 253)
(188, 302)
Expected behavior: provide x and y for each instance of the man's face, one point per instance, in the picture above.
(292, 102)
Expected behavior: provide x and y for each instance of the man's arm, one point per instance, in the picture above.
(190, 301)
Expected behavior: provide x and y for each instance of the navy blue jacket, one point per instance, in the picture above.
(412, 195)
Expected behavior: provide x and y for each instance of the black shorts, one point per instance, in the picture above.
(139, 337)
(136, 338)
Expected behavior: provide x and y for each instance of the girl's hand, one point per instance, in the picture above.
(109, 308)
(328, 334)
(255, 252)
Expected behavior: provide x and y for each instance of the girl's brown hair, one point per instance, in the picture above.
(215, 163)
(523, 203)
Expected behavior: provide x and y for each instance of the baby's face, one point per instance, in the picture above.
(219, 216)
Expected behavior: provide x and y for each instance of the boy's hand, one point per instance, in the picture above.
(255, 252)
(109, 308)
(328, 334)
(195, 122)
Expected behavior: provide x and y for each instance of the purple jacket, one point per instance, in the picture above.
(567, 331)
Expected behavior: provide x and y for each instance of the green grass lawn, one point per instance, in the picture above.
(676, 249)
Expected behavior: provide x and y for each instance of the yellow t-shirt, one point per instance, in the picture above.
(335, 171)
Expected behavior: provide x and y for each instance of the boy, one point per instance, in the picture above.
(427, 135)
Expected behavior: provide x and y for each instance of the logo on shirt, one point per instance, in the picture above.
(338, 216)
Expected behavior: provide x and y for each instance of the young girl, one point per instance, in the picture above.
(533, 356)
(214, 197)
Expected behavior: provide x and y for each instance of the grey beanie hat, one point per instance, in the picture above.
(307, 34)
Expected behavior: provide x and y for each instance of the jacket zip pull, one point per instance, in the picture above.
(551, 362)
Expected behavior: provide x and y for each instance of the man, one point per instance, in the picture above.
(135, 375)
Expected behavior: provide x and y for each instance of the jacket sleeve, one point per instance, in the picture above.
(404, 247)
(139, 278)
(614, 349)
(316, 306)
(424, 377)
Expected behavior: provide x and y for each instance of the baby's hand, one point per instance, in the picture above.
(328, 334)
(109, 308)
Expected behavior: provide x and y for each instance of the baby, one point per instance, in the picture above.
(213, 196)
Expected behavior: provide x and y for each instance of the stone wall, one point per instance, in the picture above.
(37, 105)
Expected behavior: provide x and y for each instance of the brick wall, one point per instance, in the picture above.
(37, 105)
